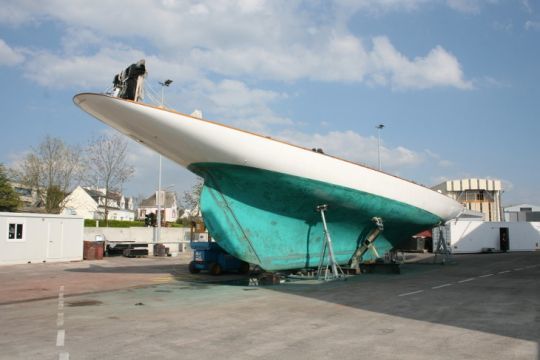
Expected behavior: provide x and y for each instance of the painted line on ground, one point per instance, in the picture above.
(60, 337)
(470, 279)
(441, 286)
(411, 293)
(60, 319)
(61, 333)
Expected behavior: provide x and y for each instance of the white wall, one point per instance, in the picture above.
(116, 214)
(472, 236)
(44, 238)
(81, 204)
(174, 238)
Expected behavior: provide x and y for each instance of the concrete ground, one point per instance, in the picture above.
(476, 307)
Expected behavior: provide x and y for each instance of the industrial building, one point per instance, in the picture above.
(522, 212)
(481, 195)
(476, 236)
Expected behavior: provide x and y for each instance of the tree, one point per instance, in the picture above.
(52, 169)
(192, 198)
(9, 200)
(108, 165)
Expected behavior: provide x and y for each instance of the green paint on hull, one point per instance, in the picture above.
(269, 218)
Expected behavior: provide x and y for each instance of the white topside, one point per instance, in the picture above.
(187, 140)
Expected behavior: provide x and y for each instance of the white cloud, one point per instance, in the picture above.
(16, 12)
(436, 158)
(245, 107)
(352, 146)
(470, 6)
(279, 41)
(9, 56)
(532, 25)
(527, 6)
(145, 180)
(507, 185)
(97, 70)
(466, 6)
(351, 6)
(57, 71)
(438, 68)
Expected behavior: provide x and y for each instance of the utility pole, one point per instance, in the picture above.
(379, 128)
(166, 83)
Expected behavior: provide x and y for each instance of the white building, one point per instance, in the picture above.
(169, 206)
(90, 203)
(475, 236)
(481, 195)
(26, 238)
(522, 212)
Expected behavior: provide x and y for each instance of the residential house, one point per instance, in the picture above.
(30, 201)
(169, 206)
(89, 203)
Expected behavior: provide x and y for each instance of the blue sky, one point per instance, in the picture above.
(455, 82)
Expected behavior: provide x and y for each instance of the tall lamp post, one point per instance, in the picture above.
(379, 128)
(166, 83)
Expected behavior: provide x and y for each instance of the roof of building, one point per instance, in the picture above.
(459, 185)
(170, 200)
(99, 194)
(518, 206)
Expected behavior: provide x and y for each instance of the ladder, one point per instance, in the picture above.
(332, 270)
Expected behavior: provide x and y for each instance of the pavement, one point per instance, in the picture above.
(484, 306)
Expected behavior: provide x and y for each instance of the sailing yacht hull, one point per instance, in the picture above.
(260, 195)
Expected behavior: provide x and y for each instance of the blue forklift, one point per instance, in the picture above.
(209, 256)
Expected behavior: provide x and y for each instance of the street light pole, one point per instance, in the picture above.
(158, 200)
(166, 83)
(379, 128)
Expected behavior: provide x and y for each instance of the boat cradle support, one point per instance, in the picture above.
(332, 270)
(367, 244)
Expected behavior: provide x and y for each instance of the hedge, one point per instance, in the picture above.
(121, 223)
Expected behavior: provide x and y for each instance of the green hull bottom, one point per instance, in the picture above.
(270, 219)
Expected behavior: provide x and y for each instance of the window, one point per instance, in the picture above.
(525, 209)
(15, 232)
(23, 191)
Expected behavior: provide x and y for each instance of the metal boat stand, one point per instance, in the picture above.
(332, 270)
(442, 250)
(367, 244)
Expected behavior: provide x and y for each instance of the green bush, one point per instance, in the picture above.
(114, 223)
(121, 223)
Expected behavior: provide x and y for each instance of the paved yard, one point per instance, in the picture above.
(479, 307)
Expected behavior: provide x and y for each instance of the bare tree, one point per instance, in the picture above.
(51, 168)
(192, 198)
(108, 166)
